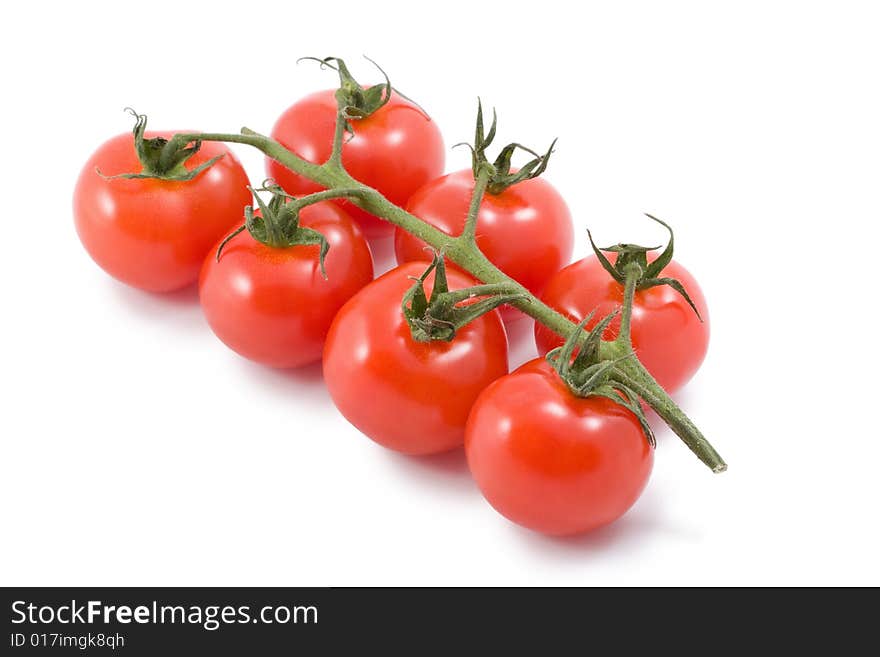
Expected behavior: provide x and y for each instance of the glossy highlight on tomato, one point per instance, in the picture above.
(153, 234)
(412, 397)
(526, 230)
(395, 150)
(272, 305)
(551, 461)
(667, 336)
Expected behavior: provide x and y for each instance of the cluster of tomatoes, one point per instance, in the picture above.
(544, 457)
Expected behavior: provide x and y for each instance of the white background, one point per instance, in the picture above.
(136, 449)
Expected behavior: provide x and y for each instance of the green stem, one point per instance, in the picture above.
(273, 230)
(633, 273)
(490, 289)
(329, 195)
(470, 225)
(463, 251)
(338, 138)
(166, 157)
(633, 374)
(265, 144)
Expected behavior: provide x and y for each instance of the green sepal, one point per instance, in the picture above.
(500, 175)
(631, 403)
(576, 371)
(588, 375)
(589, 352)
(417, 307)
(441, 316)
(309, 236)
(161, 158)
(277, 225)
(353, 99)
(630, 256)
(653, 269)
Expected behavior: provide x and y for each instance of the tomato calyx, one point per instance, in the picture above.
(442, 315)
(277, 224)
(161, 158)
(588, 375)
(500, 175)
(632, 261)
(354, 100)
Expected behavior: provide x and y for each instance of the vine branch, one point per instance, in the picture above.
(464, 252)
(469, 234)
(338, 140)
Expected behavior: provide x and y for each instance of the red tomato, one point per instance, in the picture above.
(272, 305)
(154, 234)
(395, 150)
(526, 230)
(551, 461)
(668, 337)
(409, 396)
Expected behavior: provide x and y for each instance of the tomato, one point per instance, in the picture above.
(154, 234)
(412, 397)
(667, 336)
(272, 305)
(551, 461)
(395, 150)
(526, 230)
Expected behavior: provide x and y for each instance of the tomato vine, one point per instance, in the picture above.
(463, 251)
